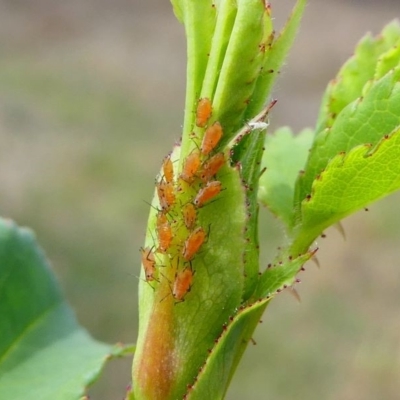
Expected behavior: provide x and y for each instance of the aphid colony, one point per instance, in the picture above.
(181, 197)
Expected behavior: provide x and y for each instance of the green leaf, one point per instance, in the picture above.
(176, 333)
(276, 53)
(357, 71)
(236, 84)
(226, 15)
(365, 120)
(178, 9)
(44, 353)
(388, 60)
(214, 376)
(350, 182)
(248, 153)
(281, 274)
(285, 155)
(199, 19)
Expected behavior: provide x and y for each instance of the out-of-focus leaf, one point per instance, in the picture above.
(285, 155)
(44, 353)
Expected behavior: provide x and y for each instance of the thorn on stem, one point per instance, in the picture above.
(340, 228)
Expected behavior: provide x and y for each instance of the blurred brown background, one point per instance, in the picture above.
(91, 99)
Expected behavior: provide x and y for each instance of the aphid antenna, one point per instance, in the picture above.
(148, 282)
(222, 176)
(153, 250)
(153, 207)
(195, 139)
(154, 241)
(169, 294)
(159, 179)
(165, 278)
(132, 275)
(141, 248)
(183, 203)
(158, 253)
(161, 265)
(170, 288)
(188, 265)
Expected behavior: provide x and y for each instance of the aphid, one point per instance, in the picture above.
(212, 136)
(193, 243)
(190, 167)
(164, 232)
(211, 167)
(203, 112)
(168, 169)
(161, 219)
(182, 284)
(189, 215)
(207, 193)
(149, 263)
(166, 195)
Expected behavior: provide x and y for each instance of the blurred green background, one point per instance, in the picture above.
(91, 99)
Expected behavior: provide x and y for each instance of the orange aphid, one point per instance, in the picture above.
(193, 243)
(168, 169)
(203, 112)
(207, 193)
(166, 195)
(211, 167)
(164, 232)
(182, 284)
(149, 263)
(190, 167)
(161, 219)
(212, 136)
(189, 215)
